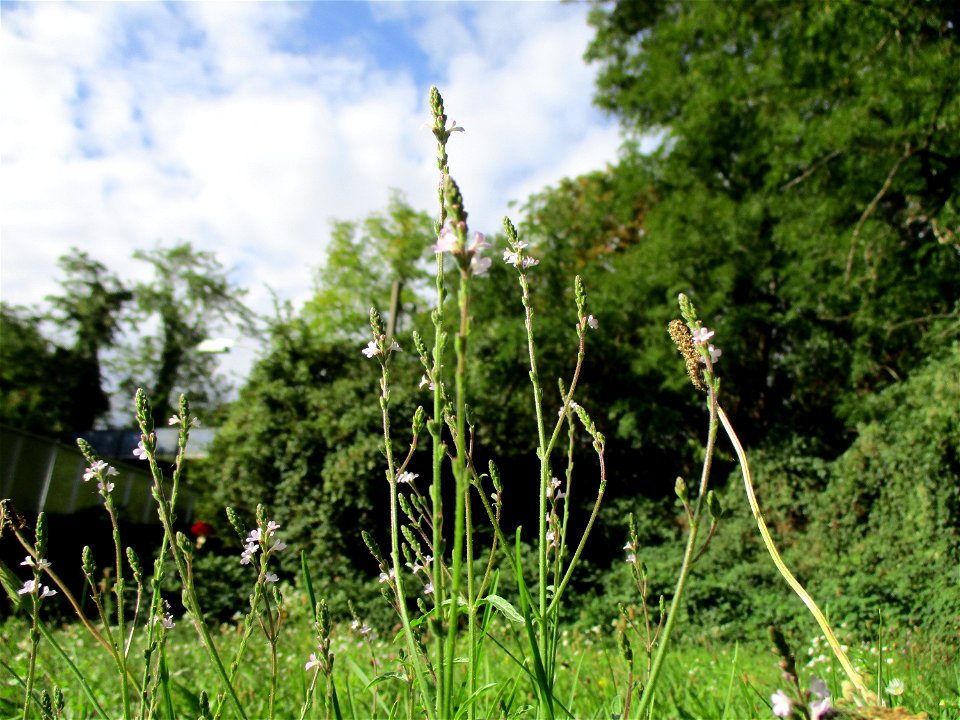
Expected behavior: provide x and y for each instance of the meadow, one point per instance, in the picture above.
(503, 590)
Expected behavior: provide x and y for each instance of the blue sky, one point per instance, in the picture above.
(247, 127)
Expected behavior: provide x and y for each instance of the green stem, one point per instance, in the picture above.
(412, 648)
(841, 656)
(646, 698)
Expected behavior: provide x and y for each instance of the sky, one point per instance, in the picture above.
(246, 128)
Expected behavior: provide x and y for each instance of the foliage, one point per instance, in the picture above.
(800, 142)
(188, 297)
(30, 397)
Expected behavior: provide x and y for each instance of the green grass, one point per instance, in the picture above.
(702, 679)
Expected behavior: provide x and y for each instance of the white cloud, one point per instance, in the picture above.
(124, 124)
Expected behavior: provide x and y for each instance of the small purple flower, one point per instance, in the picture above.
(447, 242)
(271, 578)
(480, 265)
(702, 334)
(140, 452)
(312, 663)
(105, 488)
(820, 708)
(47, 592)
(782, 705)
(428, 589)
(29, 586)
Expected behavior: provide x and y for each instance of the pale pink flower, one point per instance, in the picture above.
(782, 705)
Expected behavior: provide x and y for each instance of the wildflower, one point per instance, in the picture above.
(405, 478)
(447, 242)
(272, 527)
(140, 452)
(97, 468)
(820, 709)
(47, 592)
(702, 334)
(428, 589)
(480, 265)
(818, 688)
(631, 558)
(41, 563)
(384, 577)
(895, 687)
(551, 538)
(593, 322)
(254, 538)
(553, 487)
(312, 663)
(247, 555)
(426, 381)
(371, 349)
(105, 488)
(278, 545)
(782, 705)
(514, 258)
(715, 354)
(174, 420)
(271, 578)
(29, 586)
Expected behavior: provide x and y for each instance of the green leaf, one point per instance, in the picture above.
(506, 609)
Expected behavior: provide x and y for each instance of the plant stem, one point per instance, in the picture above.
(646, 698)
(818, 615)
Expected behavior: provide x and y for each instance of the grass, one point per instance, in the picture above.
(702, 679)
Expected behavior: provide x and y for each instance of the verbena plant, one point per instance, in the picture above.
(445, 588)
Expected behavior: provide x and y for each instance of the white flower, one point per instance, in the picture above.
(702, 334)
(478, 243)
(247, 555)
(428, 589)
(272, 527)
(29, 586)
(782, 705)
(278, 545)
(480, 265)
(174, 420)
(105, 488)
(514, 258)
(593, 322)
(271, 578)
(313, 662)
(895, 687)
(41, 563)
(371, 349)
(254, 537)
(140, 452)
(819, 708)
(631, 558)
(47, 592)
(425, 381)
(447, 242)
(407, 477)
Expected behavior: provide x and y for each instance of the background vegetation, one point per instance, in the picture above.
(804, 194)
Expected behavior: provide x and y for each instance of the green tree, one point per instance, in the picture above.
(381, 261)
(90, 306)
(807, 182)
(30, 398)
(189, 297)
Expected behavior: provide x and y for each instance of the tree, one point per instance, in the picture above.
(90, 307)
(29, 396)
(187, 298)
(808, 181)
(380, 262)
